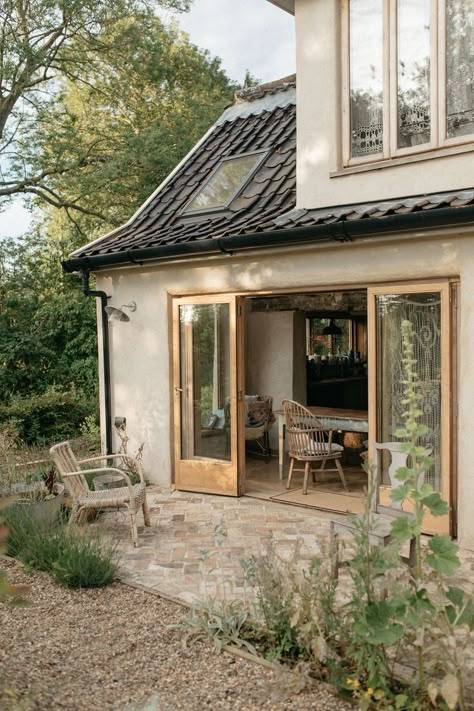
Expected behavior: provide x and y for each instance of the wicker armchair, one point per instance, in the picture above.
(130, 496)
(259, 419)
(309, 442)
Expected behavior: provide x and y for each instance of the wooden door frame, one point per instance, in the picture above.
(212, 469)
(448, 380)
(420, 285)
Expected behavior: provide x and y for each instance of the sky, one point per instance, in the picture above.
(245, 34)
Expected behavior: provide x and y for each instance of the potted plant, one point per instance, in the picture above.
(41, 491)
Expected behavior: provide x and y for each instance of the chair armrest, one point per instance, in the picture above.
(103, 457)
(104, 470)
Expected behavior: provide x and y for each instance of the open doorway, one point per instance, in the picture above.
(322, 350)
(310, 348)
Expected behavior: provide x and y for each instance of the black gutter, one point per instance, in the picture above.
(105, 356)
(341, 231)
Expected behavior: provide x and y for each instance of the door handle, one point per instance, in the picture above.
(178, 390)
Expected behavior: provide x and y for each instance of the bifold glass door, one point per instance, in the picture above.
(427, 308)
(205, 394)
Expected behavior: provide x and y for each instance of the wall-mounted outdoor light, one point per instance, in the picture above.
(118, 314)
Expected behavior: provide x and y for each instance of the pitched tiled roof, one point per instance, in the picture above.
(264, 121)
(349, 213)
(261, 119)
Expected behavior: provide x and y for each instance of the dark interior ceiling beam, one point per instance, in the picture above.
(345, 303)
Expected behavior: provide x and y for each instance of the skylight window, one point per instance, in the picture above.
(225, 183)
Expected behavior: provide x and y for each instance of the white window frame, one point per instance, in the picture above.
(438, 89)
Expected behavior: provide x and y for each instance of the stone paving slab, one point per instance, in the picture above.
(172, 557)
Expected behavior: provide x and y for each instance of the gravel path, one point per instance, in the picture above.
(108, 648)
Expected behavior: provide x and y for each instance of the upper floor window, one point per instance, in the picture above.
(409, 76)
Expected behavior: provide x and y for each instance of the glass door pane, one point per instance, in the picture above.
(423, 310)
(207, 411)
(427, 307)
(205, 381)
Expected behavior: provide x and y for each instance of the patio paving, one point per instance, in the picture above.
(172, 557)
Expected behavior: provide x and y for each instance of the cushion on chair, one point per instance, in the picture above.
(310, 446)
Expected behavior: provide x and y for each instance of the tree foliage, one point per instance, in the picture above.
(42, 43)
(98, 103)
(47, 328)
(127, 123)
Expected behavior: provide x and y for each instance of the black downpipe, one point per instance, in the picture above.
(106, 357)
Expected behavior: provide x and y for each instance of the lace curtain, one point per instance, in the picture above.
(424, 312)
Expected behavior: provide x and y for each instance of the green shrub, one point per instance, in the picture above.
(51, 416)
(22, 529)
(85, 561)
(90, 430)
(74, 559)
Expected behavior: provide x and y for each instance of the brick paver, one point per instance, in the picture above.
(172, 555)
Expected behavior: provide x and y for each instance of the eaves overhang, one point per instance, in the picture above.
(341, 231)
(287, 5)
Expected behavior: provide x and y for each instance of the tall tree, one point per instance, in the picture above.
(90, 150)
(41, 43)
(127, 123)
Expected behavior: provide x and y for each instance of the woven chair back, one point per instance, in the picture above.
(66, 462)
(304, 431)
(259, 410)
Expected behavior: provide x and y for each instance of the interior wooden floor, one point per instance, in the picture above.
(327, 493)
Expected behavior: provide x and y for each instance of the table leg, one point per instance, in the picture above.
(281, 446)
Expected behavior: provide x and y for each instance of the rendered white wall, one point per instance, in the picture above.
(318, 56)
(140, 348)
(274, 345)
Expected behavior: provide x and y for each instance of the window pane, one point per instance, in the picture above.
(225, 183)
(460, 68)
(413, 72)
(366, 77)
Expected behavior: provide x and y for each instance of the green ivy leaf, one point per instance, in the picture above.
(402, 528)
(436, 505)
(444, 555)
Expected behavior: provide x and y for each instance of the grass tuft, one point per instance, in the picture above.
(75, 559)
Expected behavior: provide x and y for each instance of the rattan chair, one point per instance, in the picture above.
(130, 496)
(309, 442)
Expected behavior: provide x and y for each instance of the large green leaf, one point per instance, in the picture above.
(436, 505)
(400, 493)
(380, 626)
(462, 607)
(402, 528)
(418, 607)
(444, 555)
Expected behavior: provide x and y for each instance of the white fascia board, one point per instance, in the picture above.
(154, 193)
(287, 5)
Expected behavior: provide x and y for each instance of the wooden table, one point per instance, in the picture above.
(334, 418)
